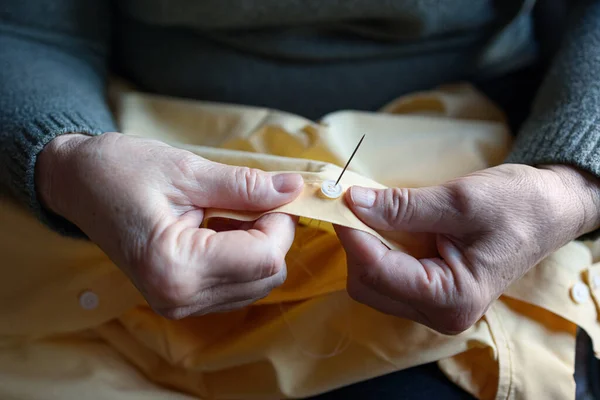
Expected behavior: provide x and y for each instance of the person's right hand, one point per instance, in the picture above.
(142, 202)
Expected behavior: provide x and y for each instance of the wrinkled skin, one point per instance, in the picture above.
(490, 228)
(142, 202)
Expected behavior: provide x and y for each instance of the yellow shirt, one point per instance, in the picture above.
(72, 326)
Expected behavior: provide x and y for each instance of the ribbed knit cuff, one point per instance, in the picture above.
(29, 142)
(567, 139)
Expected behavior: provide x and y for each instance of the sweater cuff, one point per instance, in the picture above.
(29, 142)
(568, 140)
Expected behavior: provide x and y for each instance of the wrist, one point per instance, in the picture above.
(583, 191)
(54, 166)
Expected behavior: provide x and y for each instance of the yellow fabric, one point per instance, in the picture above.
(308, 336)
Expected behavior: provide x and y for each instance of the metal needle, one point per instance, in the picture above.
(350, 159)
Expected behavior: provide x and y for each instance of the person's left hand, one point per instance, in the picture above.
(490, 228)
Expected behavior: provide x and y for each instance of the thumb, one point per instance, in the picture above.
(415, 210)
(242, 188)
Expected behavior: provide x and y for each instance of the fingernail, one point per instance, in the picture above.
(362, 197)
(287, 183)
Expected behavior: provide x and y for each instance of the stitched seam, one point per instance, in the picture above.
(500, 339)
(510, 360)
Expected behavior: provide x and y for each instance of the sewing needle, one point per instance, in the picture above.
(350, 159)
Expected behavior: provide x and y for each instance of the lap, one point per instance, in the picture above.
(82, 366)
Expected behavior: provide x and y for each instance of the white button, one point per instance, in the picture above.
(331, 190)
(596, 281)
(88, 300)
(580, 293)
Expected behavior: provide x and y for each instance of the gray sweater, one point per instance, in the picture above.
(55, 57)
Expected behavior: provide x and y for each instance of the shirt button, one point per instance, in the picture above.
(88, 300)
(330, 190)
(580, 293)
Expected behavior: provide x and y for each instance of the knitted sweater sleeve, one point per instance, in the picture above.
(564, 127)
(53, 56)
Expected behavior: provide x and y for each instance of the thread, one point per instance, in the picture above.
(308, 238)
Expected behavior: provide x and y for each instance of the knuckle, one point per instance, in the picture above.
(174, 288)
(250, 181)
(398, 206)
(370, 277)
(394, 212)
(172, 314)
(455, 326)
(463, 315)
(281, 276)
(165, 281)
(464, 198)
(273, 263)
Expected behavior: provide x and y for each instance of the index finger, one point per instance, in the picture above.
(443, 289)
(247, 255)
(399, 275)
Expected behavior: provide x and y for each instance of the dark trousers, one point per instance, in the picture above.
(418, 383)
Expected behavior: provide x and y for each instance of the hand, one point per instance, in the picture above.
(142, 202)
(490, 228)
